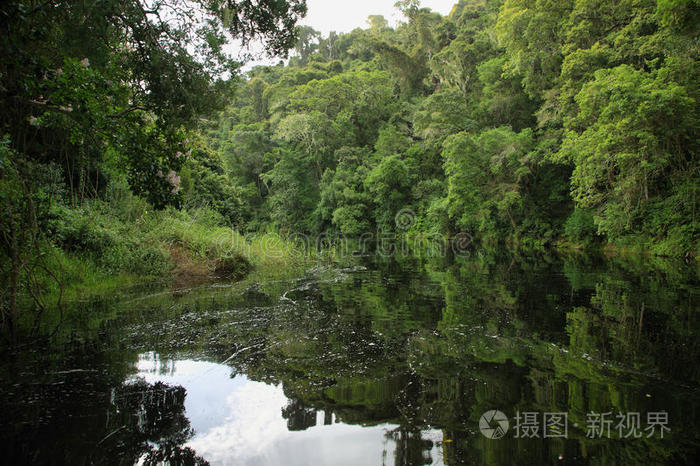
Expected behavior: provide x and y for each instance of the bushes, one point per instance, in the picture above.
(93, 244)
(580, 227)
(124, 204)
(205, 183)
(91, 250)
(96, 233)
(202, 235)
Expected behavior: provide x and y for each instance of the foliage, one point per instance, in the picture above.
(628, 145)
(388, 183)
(580, 226)
(524, 122)
(487, 178)
(344, 202)
(98, 93)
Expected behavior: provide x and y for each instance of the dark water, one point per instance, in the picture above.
(371, 362)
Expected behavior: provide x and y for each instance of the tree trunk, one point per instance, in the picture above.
(512, 222)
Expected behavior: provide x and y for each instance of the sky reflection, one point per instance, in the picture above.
(239, 421)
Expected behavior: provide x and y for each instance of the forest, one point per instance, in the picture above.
(132, 142)
(467, 238)
(522, 123)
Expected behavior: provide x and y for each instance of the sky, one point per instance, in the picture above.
(346, 15)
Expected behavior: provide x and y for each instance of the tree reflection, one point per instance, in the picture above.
(153, 425)
(298, 416)
(435, 345)
(420, 345)
(411, 447)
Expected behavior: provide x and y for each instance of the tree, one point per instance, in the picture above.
(443, 113)
(365, 98)
(388, 183)
(306, 44)
(456, 63)
(503, 101)
(473, 108)
(407, 7)
(408, 70)
(532, 32)
(312, 137)
(80, 76)
(344, 202)
(294, 192)
(377, 22)
(328, 47)
(87, 81)
(631, 142)
(487, 179)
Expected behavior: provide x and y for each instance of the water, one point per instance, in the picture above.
(371, 362)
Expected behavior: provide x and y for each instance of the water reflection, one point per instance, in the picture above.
(389, 362)
(239, 421)
(154, 424)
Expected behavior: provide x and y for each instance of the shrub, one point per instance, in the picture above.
(101, 237)
(580, 227)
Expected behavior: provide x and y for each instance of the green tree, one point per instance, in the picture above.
(361, 99)
(633, 143)
(377, 22)
(532, 32)
(487, 179)
(79, 76)
(294, 192)
(388, 183)
(344, 203)
(306, 45)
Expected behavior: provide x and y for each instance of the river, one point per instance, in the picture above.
(408, 360)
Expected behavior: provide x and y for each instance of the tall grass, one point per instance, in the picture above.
(201, 234)
(103, 246)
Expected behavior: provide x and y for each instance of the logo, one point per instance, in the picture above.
(405, 219)
(461, 243)
(493, 424)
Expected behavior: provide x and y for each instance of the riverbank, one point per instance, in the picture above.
(100, 247)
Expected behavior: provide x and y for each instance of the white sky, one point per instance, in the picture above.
(346, 15)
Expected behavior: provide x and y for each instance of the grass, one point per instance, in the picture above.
(99, 248)
(207, 242)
